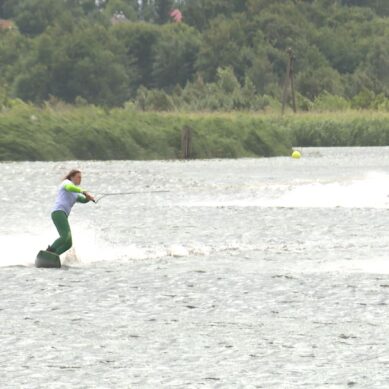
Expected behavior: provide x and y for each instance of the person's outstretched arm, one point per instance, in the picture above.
(83, 197)
(73, 188)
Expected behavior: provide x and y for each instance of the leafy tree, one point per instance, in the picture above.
(2, 15)
(90, 63)
(139, 40)
(8, 8)
(199, 13)
(261, 74)
(34, 16)
(313, 82)
(379, 6)
(126, 8)
(175, 55)
(223, 45)
(377, 65)
(73, 50)
(162, 10)
(340, 49)
(32, 85)
(13, 47)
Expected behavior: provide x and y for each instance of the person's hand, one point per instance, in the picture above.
(89, 197)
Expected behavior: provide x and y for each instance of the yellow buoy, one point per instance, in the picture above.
(296, 154)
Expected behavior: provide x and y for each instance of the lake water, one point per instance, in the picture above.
(251, 273)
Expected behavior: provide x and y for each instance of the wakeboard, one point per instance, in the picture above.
(47, 259)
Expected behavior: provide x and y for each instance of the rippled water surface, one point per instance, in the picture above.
(265, 273)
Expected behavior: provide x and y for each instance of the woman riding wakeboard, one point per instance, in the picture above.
(68, 194)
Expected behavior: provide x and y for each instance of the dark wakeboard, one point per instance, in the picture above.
(47, 259)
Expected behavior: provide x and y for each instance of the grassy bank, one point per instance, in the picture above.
(350, 128)
(65, 132)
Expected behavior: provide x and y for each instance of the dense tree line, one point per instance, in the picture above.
(226, 54)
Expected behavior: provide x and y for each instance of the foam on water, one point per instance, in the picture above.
(90, 247)
(369, 265)
(14, 253)
(369, 191)
(86, 249)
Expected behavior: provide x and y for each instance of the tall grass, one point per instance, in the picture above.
(349, 128)
(63, 132)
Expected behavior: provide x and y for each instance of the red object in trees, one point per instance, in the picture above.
(6, 24)
(176, 15)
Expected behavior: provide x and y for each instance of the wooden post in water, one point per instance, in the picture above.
(289, 79)
(186, 142)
